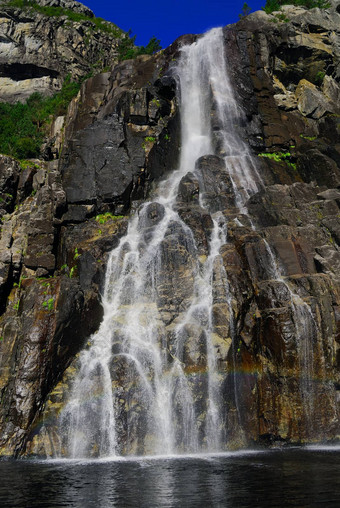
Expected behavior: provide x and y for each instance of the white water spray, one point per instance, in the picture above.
(155, 394)
(136, 390)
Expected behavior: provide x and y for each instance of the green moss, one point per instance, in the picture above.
(280, 157)
(49, 304)
(309, 138)
(319, 77)
(76, 254)
(24, 164)
(104, 217)
(276, 156)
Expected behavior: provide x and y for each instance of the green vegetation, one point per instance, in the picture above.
(279, 157)
(280, 18)
(49, 304)
(275, 5)
(309, 138)
(245, 10)
(57, 12)
(156, 102)
(319, 78)
(16, 285)
(127, 48)
(148, 139)
(76, 254)
(104, 217)
(65, 268)
(22, 126)
(276, 156)
(24, 164)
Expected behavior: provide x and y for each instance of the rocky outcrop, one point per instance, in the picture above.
(39, 48)
(61, 219)
(119, 135)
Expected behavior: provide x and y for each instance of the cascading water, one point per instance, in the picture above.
(150, 380)
(246, 181)
(158, 397)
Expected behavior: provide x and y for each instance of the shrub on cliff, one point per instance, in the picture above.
(23, 126)
(275, 5)
(127, 48)
(50, 11)
(126, 45)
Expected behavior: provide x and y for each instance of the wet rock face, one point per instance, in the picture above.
(215, 181)
(277, 342)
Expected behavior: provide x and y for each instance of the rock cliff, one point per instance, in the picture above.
(61, 218)
(43, 42)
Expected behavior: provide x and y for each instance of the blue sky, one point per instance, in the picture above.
(168, 20)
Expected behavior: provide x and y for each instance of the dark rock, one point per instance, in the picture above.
(314, 166)
(215, 183)
(78, 213)
(201, 225)
(188, 189)
(151, 215)
(25, 184)
(97, 168)
(9, 176)
(166, 87)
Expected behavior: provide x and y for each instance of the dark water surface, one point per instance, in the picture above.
(295, 477)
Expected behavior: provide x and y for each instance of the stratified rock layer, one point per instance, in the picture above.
(121, 134)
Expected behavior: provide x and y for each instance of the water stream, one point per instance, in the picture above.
(150, 381)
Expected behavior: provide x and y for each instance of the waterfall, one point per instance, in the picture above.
(149, 382)
(150, 379)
